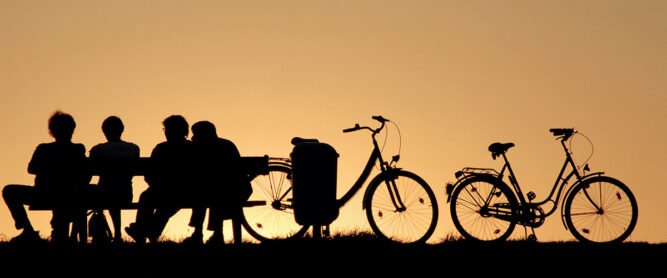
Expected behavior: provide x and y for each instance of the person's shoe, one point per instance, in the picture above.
(153, 238)
(62, 239)
(26, 236)
(194, 239)
(117, 240)
(134, 233)
(216, 239)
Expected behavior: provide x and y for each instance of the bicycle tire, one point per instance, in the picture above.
(473, 220)
(615, 219)
(274, 219)
(414, 225)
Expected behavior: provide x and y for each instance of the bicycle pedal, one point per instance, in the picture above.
(531, 195)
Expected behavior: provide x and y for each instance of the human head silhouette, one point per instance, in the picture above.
(175, 128)
(61, 126)
(203, 131)
(113, 128)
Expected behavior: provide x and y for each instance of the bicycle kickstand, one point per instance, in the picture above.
(532, 236)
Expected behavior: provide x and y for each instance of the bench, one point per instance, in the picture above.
(251, 166)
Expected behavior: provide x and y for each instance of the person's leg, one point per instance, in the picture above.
(60, 224)
(114, 200)
(160, 220)
(16, 196)
(215, 219)
(144, 218)
(197, 222)
(115, 220)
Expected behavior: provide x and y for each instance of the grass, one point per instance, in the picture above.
(355, 251)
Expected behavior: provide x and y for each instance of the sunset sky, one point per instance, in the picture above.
(455, 76)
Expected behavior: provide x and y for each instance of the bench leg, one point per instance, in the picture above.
(82, 219)
(79, 230)
(236, 228)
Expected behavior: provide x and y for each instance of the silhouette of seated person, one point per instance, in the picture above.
(221, 183)
(168, 181)
(59, 177)
(114, 189)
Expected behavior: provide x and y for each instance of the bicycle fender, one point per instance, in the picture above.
(389, 174)
(567, 193)
(449, 188)
(286, 164)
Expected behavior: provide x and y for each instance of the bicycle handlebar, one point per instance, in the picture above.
(355, 128)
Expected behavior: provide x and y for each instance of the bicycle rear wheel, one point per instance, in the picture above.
(601, 210)
(416, 222)
(484, 209)
(270, 215)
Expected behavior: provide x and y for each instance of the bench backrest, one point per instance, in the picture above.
(251, 165)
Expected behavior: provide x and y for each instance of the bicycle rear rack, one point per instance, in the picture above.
(465, 173)
(471, 171)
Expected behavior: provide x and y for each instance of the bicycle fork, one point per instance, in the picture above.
(393, 193)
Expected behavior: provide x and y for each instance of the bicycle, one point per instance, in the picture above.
(596, 208)
(399, 205)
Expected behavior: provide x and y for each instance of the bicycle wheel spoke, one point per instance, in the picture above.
(268, 222)
(413, 222)
(474, 208)
(601, 211)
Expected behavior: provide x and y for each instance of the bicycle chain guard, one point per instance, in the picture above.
(535, 218)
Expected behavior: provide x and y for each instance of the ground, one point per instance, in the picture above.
(344, 256)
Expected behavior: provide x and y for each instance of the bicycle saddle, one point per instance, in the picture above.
(299, 140)
(497, 149)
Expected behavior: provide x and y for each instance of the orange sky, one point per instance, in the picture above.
(455, 76)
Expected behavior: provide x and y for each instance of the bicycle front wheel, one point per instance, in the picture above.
(484, 209)
(412, 224)
(270, 215)
(601, 210)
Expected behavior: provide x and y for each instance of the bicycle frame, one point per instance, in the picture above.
(375, 156)
(527, 205)
(563, 181)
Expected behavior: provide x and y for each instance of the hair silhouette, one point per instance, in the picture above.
(175, 128)
(203, 130)
(61, 126)
(113, 128)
